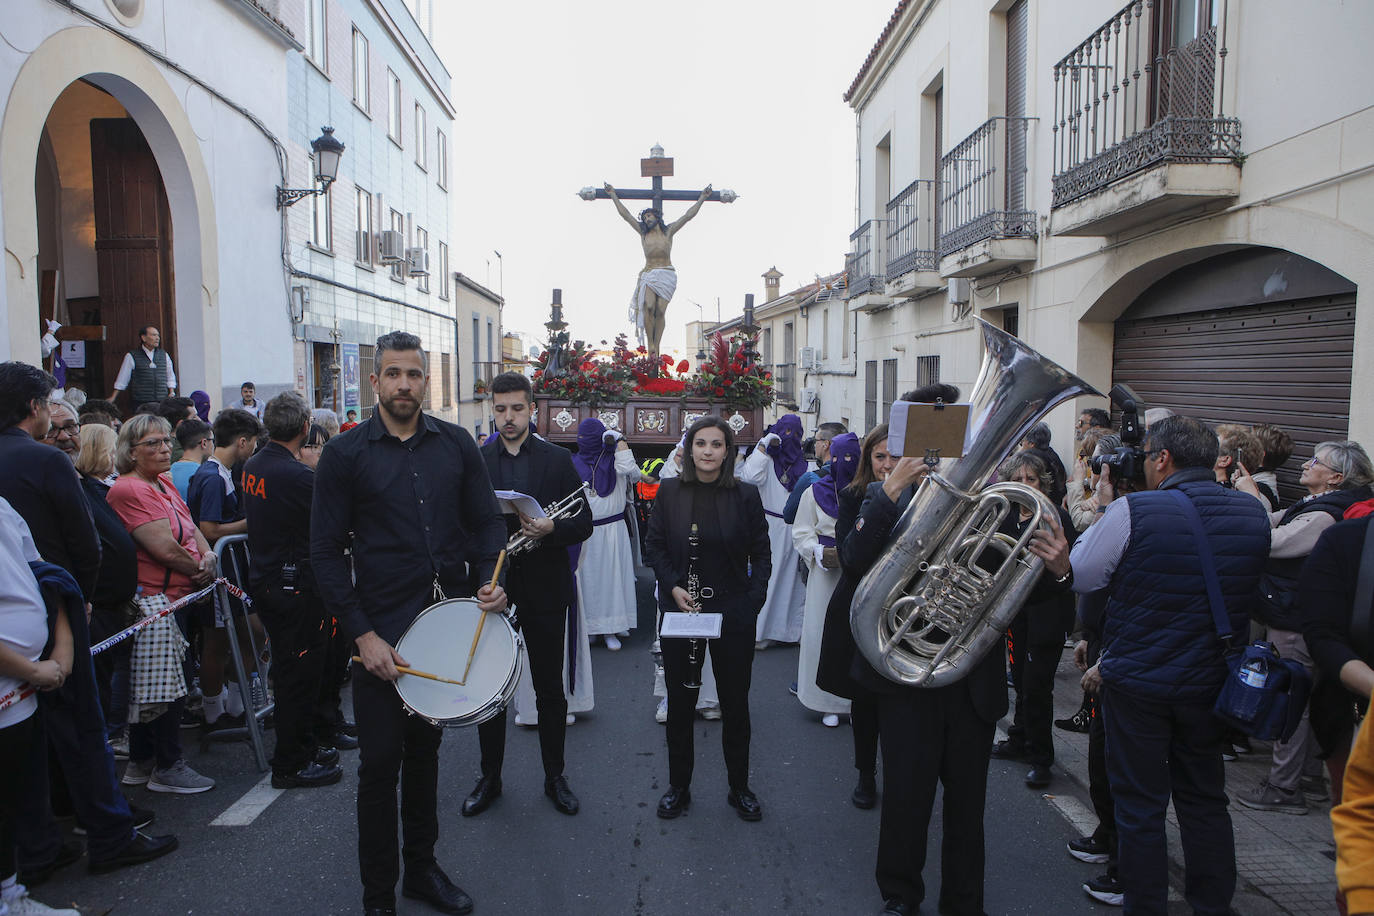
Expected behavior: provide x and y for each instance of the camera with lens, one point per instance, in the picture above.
(809, 448)
(1128, 461)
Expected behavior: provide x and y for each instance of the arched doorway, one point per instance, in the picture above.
(1257, 335)
(105, 236)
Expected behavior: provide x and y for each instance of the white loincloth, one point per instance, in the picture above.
(663, 281)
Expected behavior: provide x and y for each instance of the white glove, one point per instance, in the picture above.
(819, 554)
(770, 440)
(611, 436)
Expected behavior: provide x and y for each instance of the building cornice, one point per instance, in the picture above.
(416, 61)
(274, 27)
(904, 22)
(495, 298)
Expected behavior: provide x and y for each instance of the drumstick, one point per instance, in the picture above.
(481, 621)
(418, 673)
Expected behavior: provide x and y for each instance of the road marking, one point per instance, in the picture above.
(246, 810)
(1079, 815)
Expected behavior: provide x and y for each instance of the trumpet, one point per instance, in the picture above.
(566, 507)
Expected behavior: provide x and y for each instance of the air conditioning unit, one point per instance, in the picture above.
(417, 262)
(806, 358)
(809, 399)
(393, 246)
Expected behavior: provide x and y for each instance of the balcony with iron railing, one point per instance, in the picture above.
(911, 256)
(785, 382)
(867, 260)
(985, 221)
(1140, 133)
(482, 374)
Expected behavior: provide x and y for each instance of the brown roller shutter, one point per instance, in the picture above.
(1286, 363)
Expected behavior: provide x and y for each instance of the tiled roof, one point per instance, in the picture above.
(877, 47)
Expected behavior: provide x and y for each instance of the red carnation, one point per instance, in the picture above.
(683, 366)
(719, 391)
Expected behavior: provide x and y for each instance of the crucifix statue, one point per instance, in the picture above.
(658, 280)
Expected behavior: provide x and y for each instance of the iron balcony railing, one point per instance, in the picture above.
(1126, 99)
(983, 186)
(482, 374)
(911, 229)
(866, 261)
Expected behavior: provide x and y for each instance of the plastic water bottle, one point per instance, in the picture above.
(1254, 673)
(258, 692)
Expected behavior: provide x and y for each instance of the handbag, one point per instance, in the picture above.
(1263, 695)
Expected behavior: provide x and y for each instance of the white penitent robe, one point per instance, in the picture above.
(781, 617)
(606, 567)
(811, 525)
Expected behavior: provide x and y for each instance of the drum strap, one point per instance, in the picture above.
(438, 590)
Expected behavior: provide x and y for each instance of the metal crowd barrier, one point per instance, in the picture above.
(232, 552)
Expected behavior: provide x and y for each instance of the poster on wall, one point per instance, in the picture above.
(74, 354)
(351, 368)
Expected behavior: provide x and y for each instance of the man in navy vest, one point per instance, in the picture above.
(147, 372)
(1161, 666)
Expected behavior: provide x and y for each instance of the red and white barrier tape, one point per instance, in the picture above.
(177, 605)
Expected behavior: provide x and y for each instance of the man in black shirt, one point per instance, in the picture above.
(541, 582)
(276, 498)
(410, 495)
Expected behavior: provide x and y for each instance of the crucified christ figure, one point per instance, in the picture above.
(658, 279)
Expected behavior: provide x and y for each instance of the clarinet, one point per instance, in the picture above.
(695, 659)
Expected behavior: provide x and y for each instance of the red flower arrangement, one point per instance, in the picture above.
(730, 375)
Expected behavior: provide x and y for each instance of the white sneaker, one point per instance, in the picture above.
(570, 719)
(661, 714)
(521, 720)
(179, 779)
(710, 713)
(21, 904)
(830, 720)
(138, 772)
(612, 642)
(623, 634)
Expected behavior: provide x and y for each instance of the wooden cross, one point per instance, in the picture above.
(657, 167)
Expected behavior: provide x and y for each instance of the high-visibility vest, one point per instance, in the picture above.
(649, 491)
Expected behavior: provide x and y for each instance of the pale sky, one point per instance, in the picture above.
(553, 96)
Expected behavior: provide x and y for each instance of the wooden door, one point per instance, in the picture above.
(133, 242)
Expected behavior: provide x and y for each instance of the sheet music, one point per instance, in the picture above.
(696, 626)
(513, 501)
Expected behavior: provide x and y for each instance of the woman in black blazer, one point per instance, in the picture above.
(733, 565)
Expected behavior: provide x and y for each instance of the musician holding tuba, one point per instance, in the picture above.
(540, 583)
(729, 559)
(930, 735)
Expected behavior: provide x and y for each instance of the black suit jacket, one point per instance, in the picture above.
(42, 485)
(986, 683)
(540, 582)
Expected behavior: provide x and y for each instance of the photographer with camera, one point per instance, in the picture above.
(1162, 667)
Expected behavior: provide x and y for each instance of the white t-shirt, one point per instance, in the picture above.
(126, 371)
(23, 616)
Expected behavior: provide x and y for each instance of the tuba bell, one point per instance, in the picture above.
(926, 612)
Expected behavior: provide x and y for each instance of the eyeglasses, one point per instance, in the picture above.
(1150, 453)
(67, 429)
(1315, 460)
(156, 443)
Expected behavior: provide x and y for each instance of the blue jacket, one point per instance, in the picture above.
(804, 483)
(1159, 638)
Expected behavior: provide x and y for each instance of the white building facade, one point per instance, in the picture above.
(141, 143)
(1172, 194)
(372, 255)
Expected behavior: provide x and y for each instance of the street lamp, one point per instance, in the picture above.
(500, 274)
(328, 151)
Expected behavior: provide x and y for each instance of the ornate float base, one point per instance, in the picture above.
(648, 420)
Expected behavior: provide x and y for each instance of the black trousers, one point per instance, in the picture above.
(15, 741)
(543, 636)
(732, 661)
(929, 737)
(863, 716)
(1156, 750)
(299, 629)
(1100, 790)
(391, 744)
(1032, 675)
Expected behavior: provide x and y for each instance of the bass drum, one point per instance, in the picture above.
(437, 641)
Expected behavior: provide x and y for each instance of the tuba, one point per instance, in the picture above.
(926, 612)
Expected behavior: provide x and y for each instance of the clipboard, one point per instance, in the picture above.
(705, 625)
(922, 429)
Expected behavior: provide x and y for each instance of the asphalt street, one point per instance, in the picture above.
(812, 853)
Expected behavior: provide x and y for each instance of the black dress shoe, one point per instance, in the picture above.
(67, 853)
(326, 756)
(487, 790)
(348, 728)
(433, 887)
(1009, 750)
(746, 803)
(563, 798)
(311, 775)
(142, 848)
(1038, 777)
(896, 907)
(865, 794)
(674, 802)
(344, 741)
(379, 911)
